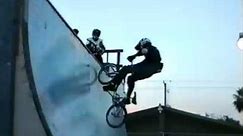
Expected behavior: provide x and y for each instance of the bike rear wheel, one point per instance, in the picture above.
(107, 73)
(116, 115)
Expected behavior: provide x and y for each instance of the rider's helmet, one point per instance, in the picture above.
(75, 31)
(145, 42)
(96, 32)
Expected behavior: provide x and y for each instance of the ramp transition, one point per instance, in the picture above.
(62, 77)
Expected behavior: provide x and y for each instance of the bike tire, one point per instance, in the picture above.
(119, 122)
(106, 73)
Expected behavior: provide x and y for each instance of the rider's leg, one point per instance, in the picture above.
(116, 81)
(136, 68)
(130, 84)
(140, 72)
(121, 75)
(99, 58)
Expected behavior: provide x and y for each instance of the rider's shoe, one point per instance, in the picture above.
(134, 99)
(109, 87)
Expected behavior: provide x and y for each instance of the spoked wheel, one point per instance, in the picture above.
(116, 115)
(106, 73)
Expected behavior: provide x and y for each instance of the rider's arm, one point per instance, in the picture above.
(138, 46)
(132, 57)
(140, 49)
(102, 47)
(139, 53)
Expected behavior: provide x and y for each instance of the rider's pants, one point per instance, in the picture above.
(138, 72)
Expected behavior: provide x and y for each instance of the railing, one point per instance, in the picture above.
(118, 52)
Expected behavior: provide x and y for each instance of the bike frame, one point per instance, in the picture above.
(116, 99)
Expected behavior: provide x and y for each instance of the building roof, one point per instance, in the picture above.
(154, 112)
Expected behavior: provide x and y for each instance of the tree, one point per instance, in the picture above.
(224, 118)
(229, 120)
(238, 102)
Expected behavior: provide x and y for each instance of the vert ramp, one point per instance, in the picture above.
(63, 76)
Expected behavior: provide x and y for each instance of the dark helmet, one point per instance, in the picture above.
(75, 31)
(96, 32)
(145, 41)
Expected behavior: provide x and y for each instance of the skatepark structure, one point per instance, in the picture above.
(48, 78)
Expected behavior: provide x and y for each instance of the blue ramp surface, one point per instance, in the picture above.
(64, 76)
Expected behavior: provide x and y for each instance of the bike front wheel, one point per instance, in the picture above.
(116, 115)
(107, 73)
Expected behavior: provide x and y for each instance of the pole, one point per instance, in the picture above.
(165, 89)
(241, 8)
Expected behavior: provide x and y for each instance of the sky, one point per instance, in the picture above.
(197, 40)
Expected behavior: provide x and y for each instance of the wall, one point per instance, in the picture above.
(71, 99)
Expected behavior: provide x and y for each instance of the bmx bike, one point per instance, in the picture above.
(116, 113)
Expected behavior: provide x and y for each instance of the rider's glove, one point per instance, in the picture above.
(131, 58)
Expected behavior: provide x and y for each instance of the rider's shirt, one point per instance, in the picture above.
(95, 46)
(152, 58)
(153, 55)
